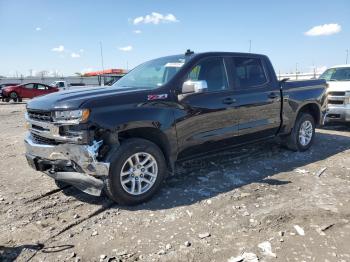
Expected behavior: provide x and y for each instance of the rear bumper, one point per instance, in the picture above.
(338, 113)
(71, 163)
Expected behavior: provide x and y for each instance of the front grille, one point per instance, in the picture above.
(44, 116)
(337, 93)
(43, 141)
(335, 102)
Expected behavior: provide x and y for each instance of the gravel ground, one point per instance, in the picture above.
(257, 202)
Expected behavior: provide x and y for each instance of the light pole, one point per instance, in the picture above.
(347, 55)
(103, 68)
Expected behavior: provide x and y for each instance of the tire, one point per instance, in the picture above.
(20, 99)
(7, 99)
(14, 96)
(61, 184)
(124, 159)
(295, 141)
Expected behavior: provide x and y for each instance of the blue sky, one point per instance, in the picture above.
(65, 35)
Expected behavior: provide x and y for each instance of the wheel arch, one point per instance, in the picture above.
(154, 135)
(313, 109)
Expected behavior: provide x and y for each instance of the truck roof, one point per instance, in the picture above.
(216, 53)
(340, 66)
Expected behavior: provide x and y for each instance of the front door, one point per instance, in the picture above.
(209, 121)
(27, 91)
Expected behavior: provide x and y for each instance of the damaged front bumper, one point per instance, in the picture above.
(72, 163)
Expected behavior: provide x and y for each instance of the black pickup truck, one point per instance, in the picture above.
(126, 138)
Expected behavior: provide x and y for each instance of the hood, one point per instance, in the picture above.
(74, 99)
(338, 86)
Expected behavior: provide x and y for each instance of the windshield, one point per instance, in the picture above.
(152, 74)
(336, 74)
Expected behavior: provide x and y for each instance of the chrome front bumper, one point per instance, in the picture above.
(339, 113)
(82, 158)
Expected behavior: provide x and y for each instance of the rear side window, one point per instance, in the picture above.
(211, 70)
(41, 87)
(29, 86)
(249, 72)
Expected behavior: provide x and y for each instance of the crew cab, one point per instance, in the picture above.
(28, 90)
(338, 93)
(126, 138)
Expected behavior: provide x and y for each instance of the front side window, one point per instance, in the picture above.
(211, 70)
(336, 74)
(249, 72)
(152, 74)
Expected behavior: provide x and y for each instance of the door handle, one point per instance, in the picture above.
(273, 95)
(229, 100)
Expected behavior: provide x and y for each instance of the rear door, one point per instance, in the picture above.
(257, 98)
(209, 122)
(41, 90)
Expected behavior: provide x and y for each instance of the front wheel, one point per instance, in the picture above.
(14, 96)
(136, 172)
(303, 133)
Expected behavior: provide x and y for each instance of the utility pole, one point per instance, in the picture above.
(296, 71)
(250, 46)
(347, 55)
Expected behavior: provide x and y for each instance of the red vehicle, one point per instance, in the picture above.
(29, 90)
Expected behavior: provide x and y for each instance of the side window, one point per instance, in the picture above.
(29, 86)
(41, 87)
(249, 72)
(211, 70)
(61, 84)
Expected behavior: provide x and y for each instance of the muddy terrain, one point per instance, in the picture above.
(260, 202)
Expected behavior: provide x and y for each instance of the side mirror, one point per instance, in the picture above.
(194, 86)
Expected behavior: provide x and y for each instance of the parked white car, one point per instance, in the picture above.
(338, 93)
(63, 85)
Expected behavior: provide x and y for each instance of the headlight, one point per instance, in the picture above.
(72, 116)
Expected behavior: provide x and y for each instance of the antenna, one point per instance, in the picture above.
(189, 52)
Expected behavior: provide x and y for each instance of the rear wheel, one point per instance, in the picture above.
(136, 172)
(302, 135)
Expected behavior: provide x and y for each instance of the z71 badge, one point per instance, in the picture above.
(157, 97)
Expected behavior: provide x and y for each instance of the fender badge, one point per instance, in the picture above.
(157, 97)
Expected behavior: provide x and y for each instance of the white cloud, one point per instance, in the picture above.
(137, 31)
(126, 48)
(38, 29)
(74, 55)
(59, 49)
(155, 18)
(326, 29)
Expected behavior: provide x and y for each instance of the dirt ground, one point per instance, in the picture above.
(215, 209)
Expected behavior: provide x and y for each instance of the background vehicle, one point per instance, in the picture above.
(29, 90)
(127, 138)
(5, 85)
(338, 93)
(63, 85)
(107, 77)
